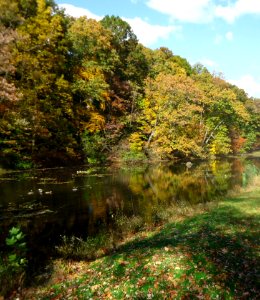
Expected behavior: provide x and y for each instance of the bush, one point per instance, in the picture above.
(93, 247)
(133, 156)
(93, 145)
(13, 262)
(129, 224)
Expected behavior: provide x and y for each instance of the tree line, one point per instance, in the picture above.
(74, 89)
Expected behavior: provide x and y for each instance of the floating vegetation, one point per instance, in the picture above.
(24, 210)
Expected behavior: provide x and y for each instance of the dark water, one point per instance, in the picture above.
(47, 204)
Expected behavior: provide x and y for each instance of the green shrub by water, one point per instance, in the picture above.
(13, 261)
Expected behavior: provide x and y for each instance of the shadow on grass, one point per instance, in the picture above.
(214, 255)
(220, 249)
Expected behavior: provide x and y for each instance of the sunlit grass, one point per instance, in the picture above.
(209, 255)
(255, 154)
(125, 229)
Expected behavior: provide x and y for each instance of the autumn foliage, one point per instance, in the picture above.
(63, 79)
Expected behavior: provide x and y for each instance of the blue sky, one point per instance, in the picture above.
(223, 35)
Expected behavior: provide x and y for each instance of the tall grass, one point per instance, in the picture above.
(125, 227)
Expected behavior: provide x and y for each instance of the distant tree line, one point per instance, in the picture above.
(74, 89)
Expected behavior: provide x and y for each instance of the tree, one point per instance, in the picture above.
(223, 113)
(9, 97)
(72, 86)
(124, 40)
(40, 67)
(171, 116)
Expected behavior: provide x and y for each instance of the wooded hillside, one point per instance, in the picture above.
(82, 90)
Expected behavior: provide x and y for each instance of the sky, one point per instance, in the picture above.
(223, 35)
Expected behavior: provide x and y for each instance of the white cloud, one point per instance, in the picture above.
(193, 11)
(229, 36)
(149, 34)
(204, 11)
(208, 62)
(226, 12)
(249, 83)
(77, 12)
(218, 39)
(237, 9)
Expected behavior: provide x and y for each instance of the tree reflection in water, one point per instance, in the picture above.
(103, 195)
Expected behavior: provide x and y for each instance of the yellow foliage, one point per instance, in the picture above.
(91, 72)
(213, 150)
(136, 142)
(105, 95)
(96, 122)
(213, 165)
(241, 111)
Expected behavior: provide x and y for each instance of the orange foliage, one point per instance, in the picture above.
(237, 143)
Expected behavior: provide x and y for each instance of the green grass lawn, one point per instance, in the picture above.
(212, 255)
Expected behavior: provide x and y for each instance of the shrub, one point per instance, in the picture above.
(13, 262)
(91, 248)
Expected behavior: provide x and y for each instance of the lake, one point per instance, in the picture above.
(51, 203)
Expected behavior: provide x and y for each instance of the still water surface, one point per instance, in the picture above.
(48, 204)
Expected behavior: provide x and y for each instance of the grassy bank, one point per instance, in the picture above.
(210, 255)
